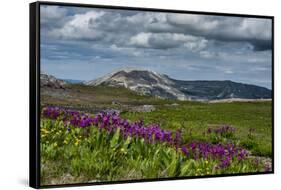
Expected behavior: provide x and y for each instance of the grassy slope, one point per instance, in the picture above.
(193, 117)
(94, 96)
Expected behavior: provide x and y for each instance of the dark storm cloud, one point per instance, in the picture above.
(261, 45)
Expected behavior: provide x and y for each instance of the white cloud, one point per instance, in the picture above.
(52, 17)
(51, 13)
(82, 21)
(79, 27)
(129, 51)
(140, 40)
(149, 29)
(198, 22)
(168, 40)
(257, 28)
(228, 72)
(254, 30)
(207, 54)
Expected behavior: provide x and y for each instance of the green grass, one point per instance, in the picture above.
(81, 95)
(95, 156)
(195, 118)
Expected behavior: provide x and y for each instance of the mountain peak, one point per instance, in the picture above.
(151, 83)
(142, 81)
(133, 70)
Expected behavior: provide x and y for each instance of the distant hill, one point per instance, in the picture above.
(151, 83)
(73, 81)
(50, 81)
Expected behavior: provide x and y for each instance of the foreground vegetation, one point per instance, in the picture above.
(79, 147)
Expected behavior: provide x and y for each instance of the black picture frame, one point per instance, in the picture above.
(34, 91)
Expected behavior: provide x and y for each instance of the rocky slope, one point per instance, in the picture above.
(151, 83)
(50, 81)
(143, 82)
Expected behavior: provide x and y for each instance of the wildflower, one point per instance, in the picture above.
(76, 143)
(185, 151)
(122, 150)
(44, 130)
(152, 133)
(225, 162)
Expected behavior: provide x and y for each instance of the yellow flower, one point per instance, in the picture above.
(206, 162)
(44, 130)
(77, 142)
(123, 151)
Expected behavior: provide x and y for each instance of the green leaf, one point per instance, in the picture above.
(115, 139)
(187, 167)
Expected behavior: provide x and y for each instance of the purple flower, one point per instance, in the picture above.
(110, 121)
(224, 131)
(225, 162)
(185, 150)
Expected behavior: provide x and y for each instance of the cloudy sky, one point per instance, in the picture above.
(86, 43)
